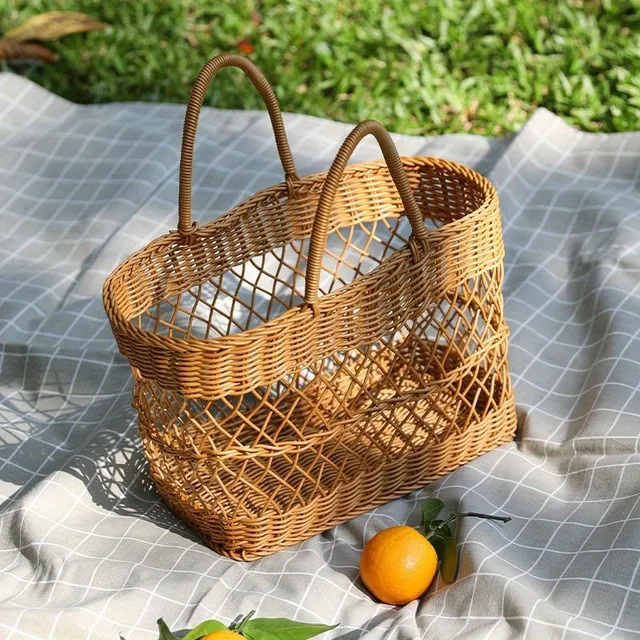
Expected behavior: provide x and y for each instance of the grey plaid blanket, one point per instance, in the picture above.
(87, 550)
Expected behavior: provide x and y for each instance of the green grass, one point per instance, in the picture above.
(419, 66)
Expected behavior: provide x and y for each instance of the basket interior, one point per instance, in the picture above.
(265, 286)
(269, 278)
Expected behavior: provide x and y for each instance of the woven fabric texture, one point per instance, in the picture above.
(88, 549)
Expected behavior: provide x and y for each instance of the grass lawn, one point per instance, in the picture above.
(419, 66)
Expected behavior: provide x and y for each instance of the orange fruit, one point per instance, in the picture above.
(398, 564)
(222, 635)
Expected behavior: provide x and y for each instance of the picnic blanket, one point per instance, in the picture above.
(87, 549)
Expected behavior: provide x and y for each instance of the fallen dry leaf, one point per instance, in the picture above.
(53, 25)
(11, 50)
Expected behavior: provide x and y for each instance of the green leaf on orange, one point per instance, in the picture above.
(165, 632)
(430, 509)
(449, 565)
(195, 634)
(443, 530)
(437, 542)
(282, 629)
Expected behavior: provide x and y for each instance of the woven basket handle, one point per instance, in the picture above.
(323, 214)
(198, 91)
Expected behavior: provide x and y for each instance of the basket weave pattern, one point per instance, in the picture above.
(270, 413)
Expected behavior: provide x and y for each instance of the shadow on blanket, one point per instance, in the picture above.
(55, 433)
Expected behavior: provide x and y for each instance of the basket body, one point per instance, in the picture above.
(265, 422)
(270, 413)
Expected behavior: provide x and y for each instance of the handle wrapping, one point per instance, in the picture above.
(198, 91)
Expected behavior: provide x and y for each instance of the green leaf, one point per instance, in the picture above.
(282, 629)
(449, 566)
(165, 633)
(430, 509)
(442, 530)
(436, 531)
(438, 544)
(204, 628)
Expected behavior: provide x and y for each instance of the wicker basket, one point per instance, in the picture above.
(269, 414)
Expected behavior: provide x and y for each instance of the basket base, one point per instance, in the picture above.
(251, 538)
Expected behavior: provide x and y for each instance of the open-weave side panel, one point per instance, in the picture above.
(286, 443)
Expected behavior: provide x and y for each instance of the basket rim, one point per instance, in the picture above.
(229, 341)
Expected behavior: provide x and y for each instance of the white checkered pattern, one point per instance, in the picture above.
(86, 548)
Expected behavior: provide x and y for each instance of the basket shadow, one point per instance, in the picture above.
(115, 473)
(104, 453)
